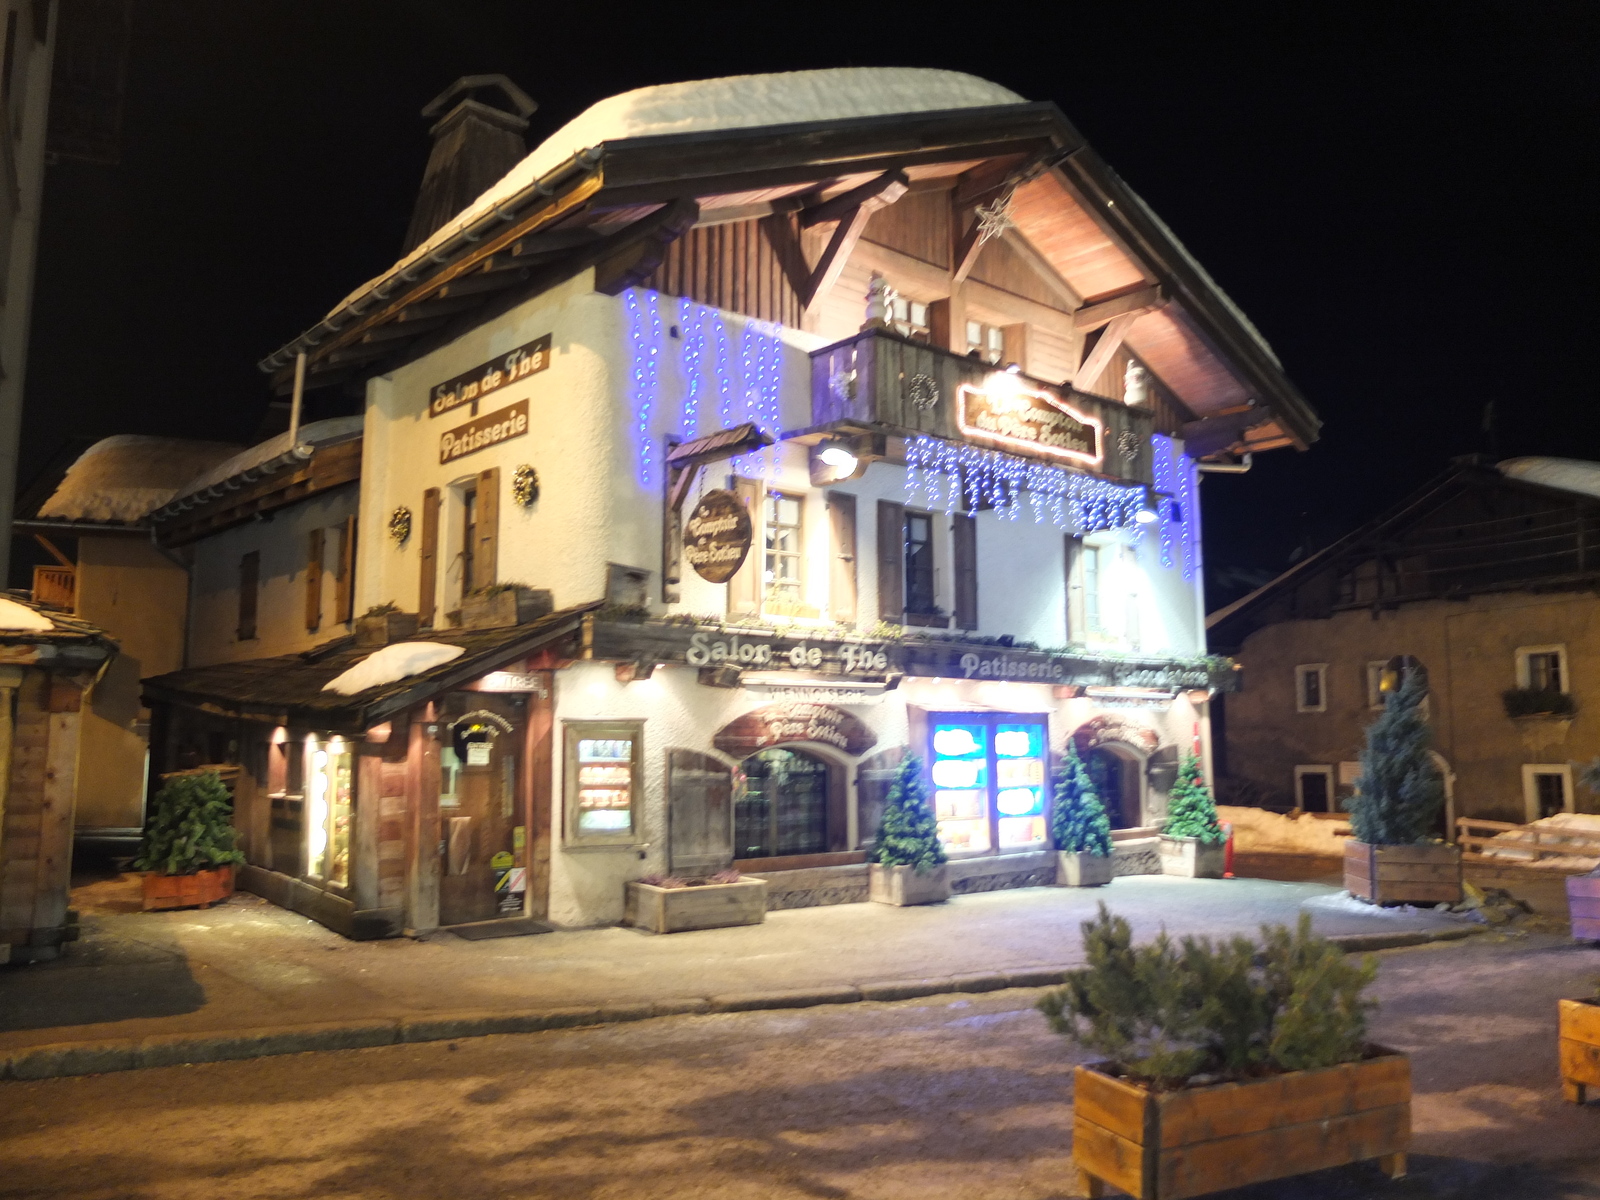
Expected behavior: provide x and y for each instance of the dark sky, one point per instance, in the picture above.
(1403, 196)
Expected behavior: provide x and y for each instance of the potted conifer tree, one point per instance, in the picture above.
(188, 852)
(908, 862)
(1192, 839)
(1079, 827)
(1394, 855)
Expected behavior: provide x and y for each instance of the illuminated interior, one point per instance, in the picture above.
(989, 781)
(328, 796)
(605, 785)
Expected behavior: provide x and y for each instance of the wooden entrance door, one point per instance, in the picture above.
(483, 808)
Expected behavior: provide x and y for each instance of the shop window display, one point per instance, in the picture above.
(989, 773)
(781, 805)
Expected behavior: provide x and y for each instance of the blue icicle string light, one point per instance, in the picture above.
(941, 473)
(645, 379)
(1175, 477)
(1166, 484)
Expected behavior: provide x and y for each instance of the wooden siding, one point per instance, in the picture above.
(917, 224)
(1000, 266)
(732, 267)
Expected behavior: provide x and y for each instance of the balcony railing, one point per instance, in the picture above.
(56, 586)
(878, 381)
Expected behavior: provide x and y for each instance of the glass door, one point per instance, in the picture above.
(989, 777)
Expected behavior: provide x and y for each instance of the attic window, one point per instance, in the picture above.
(987, 342)
(909, 318)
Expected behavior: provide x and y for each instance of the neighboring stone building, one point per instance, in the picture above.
(1486, 578)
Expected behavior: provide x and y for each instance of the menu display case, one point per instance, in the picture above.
(989, 774)
(603, 784)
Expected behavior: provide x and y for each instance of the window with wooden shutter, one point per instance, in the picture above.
(964, 559)
(344, 577)
(842, 572)
(1075, 617)
(249, 594)
(891, 560)
(316, 546)
(699, 813)
(428, 586)
(486, 554)
(744, 589)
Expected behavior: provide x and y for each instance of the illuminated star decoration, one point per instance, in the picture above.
(994, 219)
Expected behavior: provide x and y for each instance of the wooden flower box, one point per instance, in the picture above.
(200, 890)
(1192, 858)
(1077, 869)
(902, 886)
(1583, 906)
(703, 906)
(1427, 873)
(1197, 1140)
(1580, 1048)
(511, 605)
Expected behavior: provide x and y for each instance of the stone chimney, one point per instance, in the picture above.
(474, 144)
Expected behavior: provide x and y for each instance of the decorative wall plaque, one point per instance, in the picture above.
(716, 537)
(796, 721)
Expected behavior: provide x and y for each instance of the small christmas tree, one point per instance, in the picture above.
(1190, 810)
(1078, 821)
(190, 828)
(908, 835)
(1399, 794)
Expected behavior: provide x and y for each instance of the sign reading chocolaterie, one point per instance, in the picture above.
(472, 386)
(1029, 421)
(499, 426)
(796, 721)
(716, 537)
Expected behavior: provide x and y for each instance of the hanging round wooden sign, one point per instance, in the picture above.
(716, 537)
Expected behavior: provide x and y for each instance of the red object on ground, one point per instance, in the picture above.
(1227, 854)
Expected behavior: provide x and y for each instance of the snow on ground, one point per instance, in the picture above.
(392, 664)
(1344, 902)
(1256, 829)
(1585, 826)
(14, 616)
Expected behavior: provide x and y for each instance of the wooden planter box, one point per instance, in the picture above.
(1192, 858)
(380, 629)
(1583, 905)
(1189, 1142)
(1074, 868)
(902, 886)
(1429, 873)
(707, 906)
(513, 606)
(200, 890)
(1580, 1048)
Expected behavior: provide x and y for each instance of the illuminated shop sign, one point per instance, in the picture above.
(988, 774)
(485, 378)
(1019, 418)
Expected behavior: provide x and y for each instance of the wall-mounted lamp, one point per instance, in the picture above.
(837, 457)
(1146, 515)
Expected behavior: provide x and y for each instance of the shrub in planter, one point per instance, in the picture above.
(188, 849)
(1079, 827)
(1192, 839)
(908, 861)
(1537, 702)
(1228, 1063)
(1393, 855)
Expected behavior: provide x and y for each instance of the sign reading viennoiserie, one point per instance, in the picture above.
(472, 386)
(716, 537)
(1029, 421)
(499, 426)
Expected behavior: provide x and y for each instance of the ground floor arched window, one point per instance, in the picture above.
(780, 804)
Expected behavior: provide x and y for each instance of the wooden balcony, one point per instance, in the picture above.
(880, 382)
(56, 586)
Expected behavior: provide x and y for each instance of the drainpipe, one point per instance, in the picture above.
(299, 395)
(1234, 468)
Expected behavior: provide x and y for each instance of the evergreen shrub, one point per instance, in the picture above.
(190, 828)
(1078, 821)
(1191, 812)
(908, 834)
(1167, 1013)
(1399, 793)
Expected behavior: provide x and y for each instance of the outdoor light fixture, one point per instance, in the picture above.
(837, 457)
(1146, 515)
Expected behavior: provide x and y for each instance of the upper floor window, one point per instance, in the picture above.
(781, 522)
(1375, 690)
(909, 317)
(1091, 590)
(988, 342)
(1542, 668)
(1310, 687)
(920, 595)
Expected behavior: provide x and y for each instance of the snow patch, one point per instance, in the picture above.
(392, 664)
(14, 616)
(1256, 829)
(1344, 902)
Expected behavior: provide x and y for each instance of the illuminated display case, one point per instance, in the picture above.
(328, 811)
(989, 773)
(603, 784)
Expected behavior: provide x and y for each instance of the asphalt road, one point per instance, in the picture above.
(952, 1097)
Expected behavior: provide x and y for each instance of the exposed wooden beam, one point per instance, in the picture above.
(886, 189)
(1099, 356)
(444, 306)
(55, 552)
(398, 331)
(1137, 302)
(878, 194)
(965, 255)
(780, 233)
(471, 285)
(640, 247)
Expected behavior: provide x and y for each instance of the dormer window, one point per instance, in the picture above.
(909, 318)
(988, 342)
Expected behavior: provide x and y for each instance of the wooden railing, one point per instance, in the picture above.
(1527, 843)
(56, 586)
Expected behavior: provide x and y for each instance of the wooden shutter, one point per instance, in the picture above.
(1075, 617)
(964, 553)
(344, 579)
(429, 583)
(316, 543)
(485, 554)
(699, 813)
(744, 589)
(249, 588)
(891, 561)
(842, 575)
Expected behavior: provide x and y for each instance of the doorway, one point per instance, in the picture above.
(1117, 775)
(483, 818)
(781, 804)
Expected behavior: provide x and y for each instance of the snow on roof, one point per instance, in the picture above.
(734, 102)
(15, 616)
(1567, 474)
(120, 479)
(392, 664)
(318, 433)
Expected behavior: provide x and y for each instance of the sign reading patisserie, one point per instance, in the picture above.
(1028, 421)
(499, 426)
(716, 537)
(471, 386)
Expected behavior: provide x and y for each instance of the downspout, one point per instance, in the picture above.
(299, 396)
(1234, 468)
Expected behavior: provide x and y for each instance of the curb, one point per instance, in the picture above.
(64, 1059)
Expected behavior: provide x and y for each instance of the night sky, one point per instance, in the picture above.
(1403, 196)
